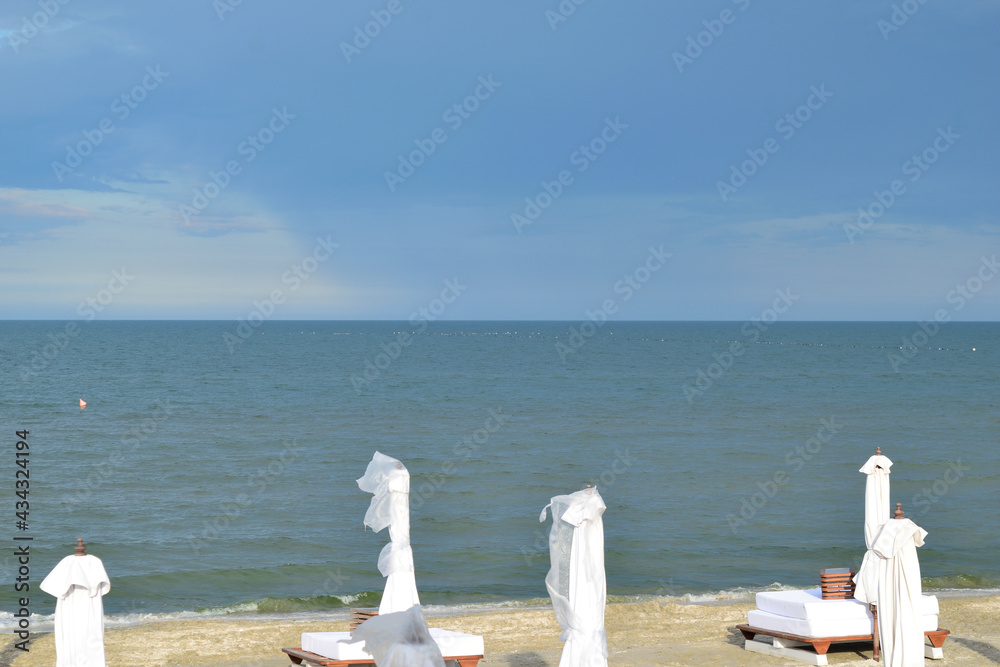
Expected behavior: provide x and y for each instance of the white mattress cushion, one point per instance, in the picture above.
(338, 645)
(839, 627)
(458, 643)
(335, 645)
(809, 604)
(830, 627)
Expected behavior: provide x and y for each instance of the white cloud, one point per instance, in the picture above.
(47, 272)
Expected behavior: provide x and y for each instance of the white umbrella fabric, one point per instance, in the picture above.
(877, 512)
(389, 481)
(399, 639)
(899, 593)
(78, 583)
(576, 578)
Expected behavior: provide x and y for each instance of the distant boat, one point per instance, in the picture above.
(83, 404)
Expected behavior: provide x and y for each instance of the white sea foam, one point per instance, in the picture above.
(246, 611)
(36, 622)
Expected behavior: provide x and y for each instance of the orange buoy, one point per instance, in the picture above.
(83, 404)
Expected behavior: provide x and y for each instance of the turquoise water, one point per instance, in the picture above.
(220, 476)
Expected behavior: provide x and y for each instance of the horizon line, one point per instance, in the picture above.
(552, 321)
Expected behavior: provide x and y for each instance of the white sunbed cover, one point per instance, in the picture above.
(807, 614)
(338, 645)
(809, 604)
(831, 627)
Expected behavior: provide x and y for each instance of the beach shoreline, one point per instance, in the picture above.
(655, 632)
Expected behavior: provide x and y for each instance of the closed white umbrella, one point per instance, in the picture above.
(78, 583)
(899, 592)
(389, 481)
(877, 512)
(576, 579)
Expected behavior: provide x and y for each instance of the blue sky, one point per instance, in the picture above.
(741, 137)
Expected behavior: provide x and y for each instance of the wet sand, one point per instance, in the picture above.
(645, 634)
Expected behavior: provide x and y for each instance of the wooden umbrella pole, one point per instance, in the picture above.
(875, 650)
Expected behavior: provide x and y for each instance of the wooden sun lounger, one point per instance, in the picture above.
(822, 645)
(298, 656)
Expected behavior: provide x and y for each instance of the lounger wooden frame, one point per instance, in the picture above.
(822, 644)
(298, 656)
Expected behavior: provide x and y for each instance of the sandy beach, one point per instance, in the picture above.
(648, 633)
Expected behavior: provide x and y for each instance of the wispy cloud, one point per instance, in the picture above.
(176, 187)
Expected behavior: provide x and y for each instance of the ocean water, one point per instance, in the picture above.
(214, 472)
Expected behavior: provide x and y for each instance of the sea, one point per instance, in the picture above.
(213, 468)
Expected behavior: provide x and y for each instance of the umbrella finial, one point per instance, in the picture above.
(878, 451)
(79, 548)
(898, 514)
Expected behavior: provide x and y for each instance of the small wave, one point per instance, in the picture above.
(960, 581)
(292, 605)
(327, 607)
(484, 607)
(738, 594)
(36, 622)
(249, 607)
